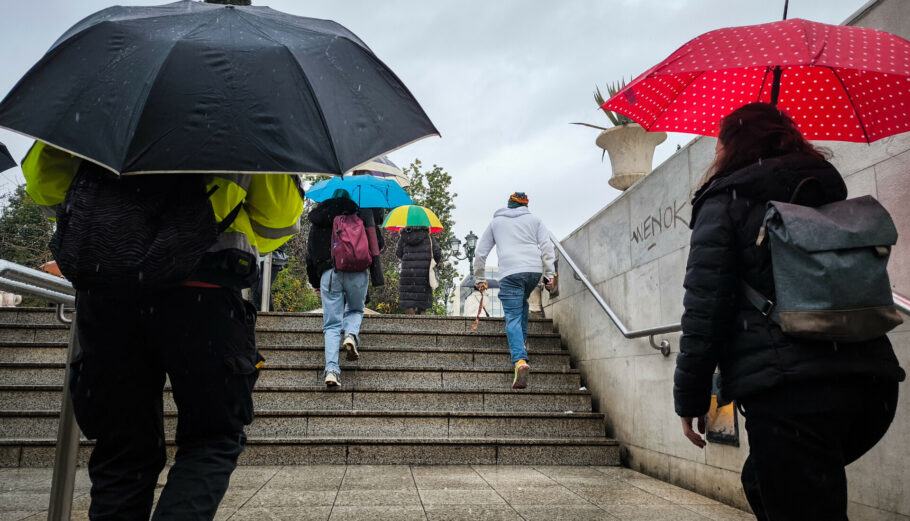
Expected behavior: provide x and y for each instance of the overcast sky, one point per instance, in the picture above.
(501, 80)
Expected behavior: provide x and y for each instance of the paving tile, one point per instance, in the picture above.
(23, 501)
(563, 513)
(449, 476)
(315, 477)
(670, 492)
(380, 477)
(310, 513)
(652, 513)
(502, 475)
(399, 513)
(378, 497)
(461, 497)
(618, 493)
(718, 512)
(471, 512)
(252, 477)
(554, 495)
(267, 498)
(16, 515)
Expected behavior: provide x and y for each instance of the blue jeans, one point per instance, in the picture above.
(514, 291)
(343, 295)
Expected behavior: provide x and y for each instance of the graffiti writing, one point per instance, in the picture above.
(665, 218)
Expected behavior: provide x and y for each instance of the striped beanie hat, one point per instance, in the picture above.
(518, 199)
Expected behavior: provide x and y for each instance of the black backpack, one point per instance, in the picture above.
(134, 232)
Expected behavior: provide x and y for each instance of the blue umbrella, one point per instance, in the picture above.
(6, 160)
(365, 190)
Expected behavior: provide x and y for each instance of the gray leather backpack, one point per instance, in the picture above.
(830, 270)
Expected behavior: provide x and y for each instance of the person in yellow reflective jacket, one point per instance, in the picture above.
(199, 333)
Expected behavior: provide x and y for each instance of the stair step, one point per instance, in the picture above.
(390, 356)
(43, 333)
(47, 398)
(367, 424)
(363, 376)
(367, 451)
(314, 321)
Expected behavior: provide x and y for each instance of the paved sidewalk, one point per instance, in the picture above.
(471, 492)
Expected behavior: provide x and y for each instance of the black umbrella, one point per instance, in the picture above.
(196, 87)
(6, 160)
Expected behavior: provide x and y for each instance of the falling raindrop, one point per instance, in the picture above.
(97, 268)
(77, 117)
(140, 276)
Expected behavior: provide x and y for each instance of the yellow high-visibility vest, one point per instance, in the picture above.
(271, 203)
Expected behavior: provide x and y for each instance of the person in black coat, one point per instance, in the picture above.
(811, 407)
(415, 249)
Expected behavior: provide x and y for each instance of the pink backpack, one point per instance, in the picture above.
(350, 248)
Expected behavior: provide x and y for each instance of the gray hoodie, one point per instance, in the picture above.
(522, 244)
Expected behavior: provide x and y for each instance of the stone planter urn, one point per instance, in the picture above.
(631, 150)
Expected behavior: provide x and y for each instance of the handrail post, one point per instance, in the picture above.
(67, 448)
(266, 285)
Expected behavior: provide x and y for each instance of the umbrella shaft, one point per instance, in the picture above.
(786, 4)
(775, 85)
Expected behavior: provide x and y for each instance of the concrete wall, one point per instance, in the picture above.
(634, 251)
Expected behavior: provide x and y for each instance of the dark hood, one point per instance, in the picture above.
(324, 214)
(414, 236)
(776, 179)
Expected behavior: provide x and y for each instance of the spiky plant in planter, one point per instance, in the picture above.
(617, 119)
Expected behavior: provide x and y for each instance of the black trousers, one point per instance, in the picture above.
(801, 436)
(203, 340)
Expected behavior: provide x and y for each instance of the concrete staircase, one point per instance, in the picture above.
(426, 391)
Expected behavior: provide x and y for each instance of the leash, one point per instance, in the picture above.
(479, 309)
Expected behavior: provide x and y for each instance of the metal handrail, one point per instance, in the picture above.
(17, 278)
(650, 332)
(902, 303)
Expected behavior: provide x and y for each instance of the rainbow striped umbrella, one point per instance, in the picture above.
(412, 215)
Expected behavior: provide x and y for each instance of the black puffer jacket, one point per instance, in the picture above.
(719, 327)
(414, 252)
(319, 243)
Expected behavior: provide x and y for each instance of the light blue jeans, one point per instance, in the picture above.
(514, 291)
(342, 310)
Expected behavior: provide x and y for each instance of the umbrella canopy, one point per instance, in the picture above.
(839, 83)
(413, 215)
(365, 190)
(6, 160)
(384, 168)
(197, 87)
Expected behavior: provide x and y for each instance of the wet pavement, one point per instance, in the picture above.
(403, 492)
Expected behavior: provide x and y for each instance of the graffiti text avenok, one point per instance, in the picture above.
(664, 219)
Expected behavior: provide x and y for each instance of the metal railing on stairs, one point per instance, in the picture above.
(22, 280)
(901, 302)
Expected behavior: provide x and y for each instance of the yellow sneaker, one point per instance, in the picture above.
(522, 371)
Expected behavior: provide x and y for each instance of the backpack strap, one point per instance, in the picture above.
(795, 197)
(230, 217)
(762, 303)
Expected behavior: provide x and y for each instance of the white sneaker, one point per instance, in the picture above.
(331, 379)
(350, 345)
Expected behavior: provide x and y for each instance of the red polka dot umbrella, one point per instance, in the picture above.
(838, 83)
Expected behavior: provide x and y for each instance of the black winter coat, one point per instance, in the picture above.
(414, 252)
(319, 243)
(719, 327)
(372, 220)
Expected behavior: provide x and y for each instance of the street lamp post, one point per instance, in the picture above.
(470, 243)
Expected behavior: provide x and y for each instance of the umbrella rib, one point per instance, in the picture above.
(670, 102)
(862, 126)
